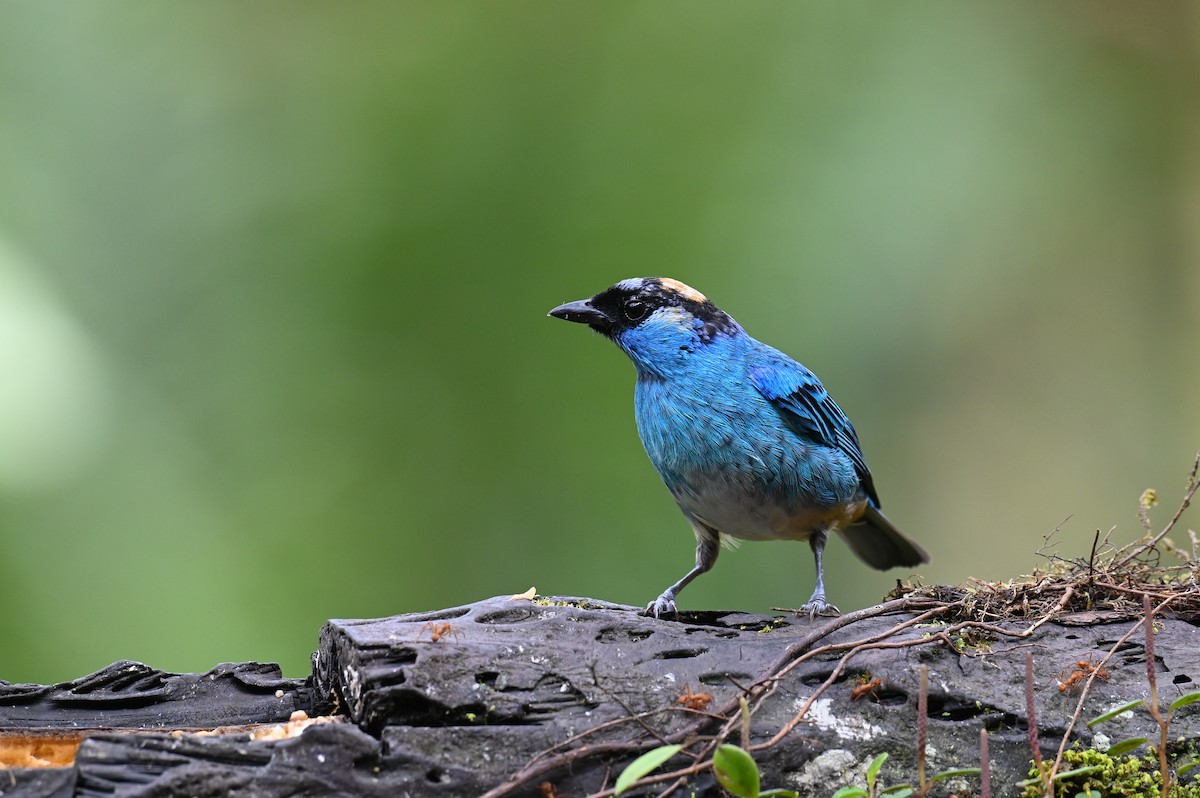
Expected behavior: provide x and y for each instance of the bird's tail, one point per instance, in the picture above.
(880, 545)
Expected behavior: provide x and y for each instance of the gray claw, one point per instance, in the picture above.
(663, 605)
(817, 605)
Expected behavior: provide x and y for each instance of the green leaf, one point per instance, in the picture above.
(1114, 712)
(1070, 774)
(950, 774)
(1183, 701)
(643, 765)
(736, 771)
(898, 791)
(1089, 794)
(851, 792)
(779, 793)
(873, 770)
(1186, 767)
(1125, 746)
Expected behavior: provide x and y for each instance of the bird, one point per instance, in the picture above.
(747, 440)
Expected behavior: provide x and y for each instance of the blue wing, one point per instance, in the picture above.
(803, 400)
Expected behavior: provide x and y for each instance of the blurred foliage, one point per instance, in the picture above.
(273, 283)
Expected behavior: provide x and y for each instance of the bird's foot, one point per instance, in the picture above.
(817, 605)
(663, 605)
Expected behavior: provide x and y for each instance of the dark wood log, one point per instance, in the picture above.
(130, 695)
(456, 702)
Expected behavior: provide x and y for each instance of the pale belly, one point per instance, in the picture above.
(746, 515)
(734, 466)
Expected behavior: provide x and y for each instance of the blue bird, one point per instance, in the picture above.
(748, 441)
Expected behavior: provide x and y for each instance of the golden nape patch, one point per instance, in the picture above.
(684, 290)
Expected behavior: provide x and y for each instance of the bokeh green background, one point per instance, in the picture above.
(274, 276)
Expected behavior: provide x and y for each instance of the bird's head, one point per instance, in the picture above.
(658, 321)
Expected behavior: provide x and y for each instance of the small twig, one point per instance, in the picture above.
(1192, 486)
(744, 713)
(781, 664)
(541, 765)
(765, 686)
(1087, 686)
(1031, 723)
(1018, 647)
(838, 670)
(1092, 558)
(540, 770)
(1110, 587)
(922, 728)
(608, 724)
(874, 644)
(1152, 677)
(1048, 541)
(629, 713)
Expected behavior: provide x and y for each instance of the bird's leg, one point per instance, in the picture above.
(817, 605)
(708, 546)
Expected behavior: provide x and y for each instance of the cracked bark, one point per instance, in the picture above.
(437, 710)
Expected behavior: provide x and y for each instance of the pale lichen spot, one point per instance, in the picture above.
(847, 727)
(684, 290)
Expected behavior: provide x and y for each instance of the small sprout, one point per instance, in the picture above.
(873, 770)
(1125, 746)
(736, 771)
(644, 765)
(876, 764)
(985, 762)
(1036, 781)
(851, 792)
(954, 774)
(772, 625)
(1148, 499)
(1112, 713)
(972, 641)
(1183, 701)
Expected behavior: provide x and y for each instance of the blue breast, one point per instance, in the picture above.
(717, 442)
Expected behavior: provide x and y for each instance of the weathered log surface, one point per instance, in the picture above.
(437, 710)
(46, 722)
(130, 695)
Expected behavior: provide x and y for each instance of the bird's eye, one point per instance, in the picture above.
(636, 311)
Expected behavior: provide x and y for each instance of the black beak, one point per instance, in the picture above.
(582, 312)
